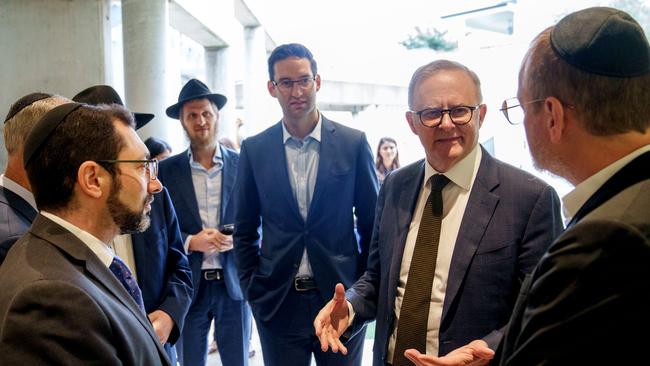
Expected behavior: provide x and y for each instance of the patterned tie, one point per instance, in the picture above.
(122, 272)
(414, 314)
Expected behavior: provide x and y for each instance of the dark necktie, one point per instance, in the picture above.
(122, 272)
(414, 313)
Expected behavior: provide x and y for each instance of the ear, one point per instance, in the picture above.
(271, 88)
(555, 119)
(92, 179)
(317, 81)
(410, 118)
(482, 110)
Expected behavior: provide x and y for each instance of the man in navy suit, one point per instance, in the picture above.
(200, 181)
(496, 222)
(155, 256)
(17, 205)
(303, 180)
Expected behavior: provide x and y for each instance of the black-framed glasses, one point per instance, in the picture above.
(513, 111)
(287, 84)
(151, 165)
(459, 115)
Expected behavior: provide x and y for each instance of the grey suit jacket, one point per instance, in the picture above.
(59, 305)
(16, 216)
(510, 220)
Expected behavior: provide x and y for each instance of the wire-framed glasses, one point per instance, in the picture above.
(150, 166)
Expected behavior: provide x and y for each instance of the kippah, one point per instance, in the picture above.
(25, 102)
(44, 128)
(602, 41)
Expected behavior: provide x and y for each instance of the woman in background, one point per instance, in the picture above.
(387, 158)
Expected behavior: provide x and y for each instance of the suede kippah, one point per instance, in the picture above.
(602, 41)
(25, 102)
(44, 128)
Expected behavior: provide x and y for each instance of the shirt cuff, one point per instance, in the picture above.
(350, 313)
(186, 245)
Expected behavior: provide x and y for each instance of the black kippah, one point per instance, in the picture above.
(44, 128)
(25, 102)
(603, 41)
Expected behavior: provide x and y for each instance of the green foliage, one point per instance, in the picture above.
(429, 38)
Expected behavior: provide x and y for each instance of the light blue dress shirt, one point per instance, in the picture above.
(303, 156)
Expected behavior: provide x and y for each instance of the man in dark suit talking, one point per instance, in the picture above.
(304, 179)
(453, 238)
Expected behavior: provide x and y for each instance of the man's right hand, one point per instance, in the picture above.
(204, 241)
(332, 321)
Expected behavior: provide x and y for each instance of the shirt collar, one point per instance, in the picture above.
(217, 158)
(581, 193)
(101, 249)
(462, 173)
(315, 133)
(18, 189)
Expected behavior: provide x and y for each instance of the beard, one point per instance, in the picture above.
(129, 221)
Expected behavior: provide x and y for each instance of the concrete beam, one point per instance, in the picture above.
(355, 97)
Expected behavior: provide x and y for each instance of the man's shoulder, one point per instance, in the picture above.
(174, 160)
(509, 174)
(341, 129)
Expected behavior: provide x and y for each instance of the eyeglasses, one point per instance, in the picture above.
(287, 84)
(459, 115)
(512, 109)
(151, 165)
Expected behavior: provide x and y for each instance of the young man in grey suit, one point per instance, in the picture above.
(454, 234)
(17, 205)
(65, 299)
(303, 180)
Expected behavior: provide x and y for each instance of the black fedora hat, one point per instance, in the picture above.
(104, 94)
(194, 89)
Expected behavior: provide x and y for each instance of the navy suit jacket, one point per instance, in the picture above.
(161, 265)
(510, 220)
(346, 184)
(16, 216)
(175, 173)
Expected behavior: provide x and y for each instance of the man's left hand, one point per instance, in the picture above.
(224, 242)
(162, 324)
(476, 353)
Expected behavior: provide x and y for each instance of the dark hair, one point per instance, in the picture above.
(605, 105)
(379, 162)
(86, 134)
(157, 146)
(290, 50)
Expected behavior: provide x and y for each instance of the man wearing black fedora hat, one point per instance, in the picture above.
(155, 256)
(200, 181)
(584, 100)
(18, 208)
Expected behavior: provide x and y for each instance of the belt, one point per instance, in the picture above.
(304, 283)
(212, 274)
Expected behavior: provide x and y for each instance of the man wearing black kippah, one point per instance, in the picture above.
(17, 205)
(584, 91)
(65, 298)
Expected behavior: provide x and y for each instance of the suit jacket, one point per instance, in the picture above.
(16, 216)
(510, 220)
(163, 271)
(175, 173)
(60, 305)
(587, 301)
(346, 183)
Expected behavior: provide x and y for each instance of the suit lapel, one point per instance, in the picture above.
(478, 214)
(182, 181)
(409, 186)
(281, 179)
(227, 182)
(19, 204)
(326, 157)
(70, 244)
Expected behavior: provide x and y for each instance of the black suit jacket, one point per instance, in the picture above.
(587, 301)
(60, 305)
(16, 216)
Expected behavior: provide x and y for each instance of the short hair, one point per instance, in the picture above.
(290, 50)
(86, 134)
(428, 70)
(157, 146)
(17, 128)
(379, 161)
(605, 105)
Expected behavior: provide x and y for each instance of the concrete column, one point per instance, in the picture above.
(259, 110)
(55, 46)
(146, 74)
(219, 79)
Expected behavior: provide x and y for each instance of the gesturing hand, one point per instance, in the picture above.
(332, 321)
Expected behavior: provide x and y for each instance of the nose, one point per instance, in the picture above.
(154, 186)
(296, 90)
(446, 122)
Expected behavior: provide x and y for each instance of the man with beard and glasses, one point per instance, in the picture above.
(200, 182)
(155, 256)
(65, 298)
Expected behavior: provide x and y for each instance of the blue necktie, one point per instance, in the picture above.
(122, 272)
